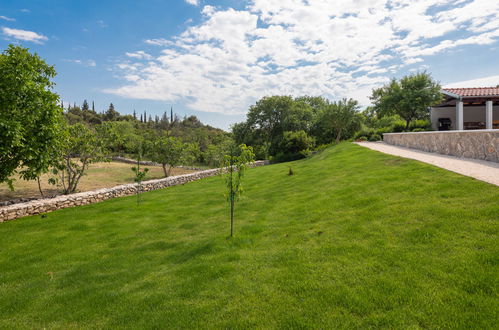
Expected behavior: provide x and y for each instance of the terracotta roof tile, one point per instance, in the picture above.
(478, 91)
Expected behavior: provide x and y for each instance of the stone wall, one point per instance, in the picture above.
(477, 144)
(60, 202)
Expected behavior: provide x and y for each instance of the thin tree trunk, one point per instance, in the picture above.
(231, 216)
(407, 122)
(338, 136)
(39, 186)
(164, 170)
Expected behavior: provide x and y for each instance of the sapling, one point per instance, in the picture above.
(139, 177)
(235, 164)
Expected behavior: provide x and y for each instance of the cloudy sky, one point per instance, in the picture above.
(215, 58)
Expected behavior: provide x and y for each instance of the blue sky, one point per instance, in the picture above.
(214, 59)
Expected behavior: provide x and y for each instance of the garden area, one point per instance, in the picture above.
(352, 239)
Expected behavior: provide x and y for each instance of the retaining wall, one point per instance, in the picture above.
(477, 144)
(60, 202)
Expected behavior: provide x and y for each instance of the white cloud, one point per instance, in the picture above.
(89, 63)
(490, 81)
(140, 55)
(24, 35)
(316, 47)
(9, 19)
(193, 2)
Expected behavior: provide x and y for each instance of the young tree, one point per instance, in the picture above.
(410, 98)
(169, 152)
(83, 143)
(30, 118)
(235, 164)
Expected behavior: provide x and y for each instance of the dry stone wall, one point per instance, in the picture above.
(51, 204)
(477, 144)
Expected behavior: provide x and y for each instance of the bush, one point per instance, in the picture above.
(422, 124)
(398, 126)
(362, 139)
(375, 137)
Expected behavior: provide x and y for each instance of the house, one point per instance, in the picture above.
(467, 109)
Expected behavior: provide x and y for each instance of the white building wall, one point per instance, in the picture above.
(470, 114)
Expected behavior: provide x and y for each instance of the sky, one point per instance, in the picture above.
(214, 59)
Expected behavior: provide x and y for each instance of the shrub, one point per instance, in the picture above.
(375, 137)
(398, 126)
(362, 139)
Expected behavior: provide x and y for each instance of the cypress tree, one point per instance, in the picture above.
(134, 114)
(85, 107)
(171, 115)
(93, 106)
(141, 120)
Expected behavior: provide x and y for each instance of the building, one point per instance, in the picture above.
(467, 109)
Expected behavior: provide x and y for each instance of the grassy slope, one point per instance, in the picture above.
(355, 238)
(99, 175)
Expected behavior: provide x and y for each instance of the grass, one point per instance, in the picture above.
(99, 175)
(354, 239)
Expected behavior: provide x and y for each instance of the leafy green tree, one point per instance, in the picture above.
(81, 148)
(235, 163)
(269, 118)
(337, 121)
(30, 117)
(119, 136)
(410, 98)
(169, 152)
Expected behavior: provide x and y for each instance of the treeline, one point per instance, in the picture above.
(135, 137)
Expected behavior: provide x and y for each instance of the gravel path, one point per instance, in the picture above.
(478, 169)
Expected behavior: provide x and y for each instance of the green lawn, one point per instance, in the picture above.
(354, 239)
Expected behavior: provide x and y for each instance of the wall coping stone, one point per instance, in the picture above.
(449, 132)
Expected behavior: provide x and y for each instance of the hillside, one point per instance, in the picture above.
(354, 238)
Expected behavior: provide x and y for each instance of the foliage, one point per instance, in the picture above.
(271, 118)
(235, 164)
(30, 118)
(171, 152)
(139, 177)
(337, 121)
(81, 147)
(410, 98)
(294, 145)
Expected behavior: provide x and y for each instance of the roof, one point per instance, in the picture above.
(473, 92)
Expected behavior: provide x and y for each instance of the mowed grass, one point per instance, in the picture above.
(354, 239)
(99, 175)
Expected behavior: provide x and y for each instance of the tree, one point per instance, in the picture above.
(235, 164)
(85, 106)
(169, 152)
(82, 143)
(337, 121)
(111, 114)
(30, 117)
(270, 117)
(410, 98)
